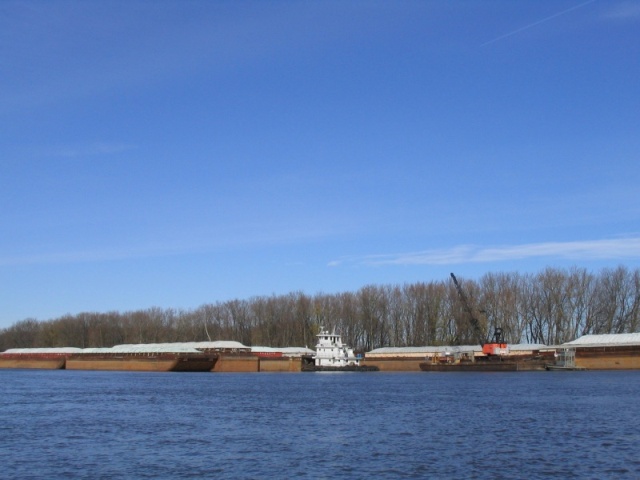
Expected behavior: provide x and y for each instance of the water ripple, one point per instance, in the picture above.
(65, 424)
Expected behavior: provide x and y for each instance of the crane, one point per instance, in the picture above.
(495, 346)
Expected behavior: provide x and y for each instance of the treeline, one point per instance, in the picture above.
(550, 307)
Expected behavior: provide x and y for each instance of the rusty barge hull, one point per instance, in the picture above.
(529, 365)
(619, 357)
(33, 362)
(152, 363)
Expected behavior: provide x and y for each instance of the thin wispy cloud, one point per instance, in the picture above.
(608, 249)
(624, 11)
(536, 23)
(87, 150)
(239, 236)
(85, 256)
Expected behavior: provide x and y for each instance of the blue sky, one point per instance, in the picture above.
(176, 153)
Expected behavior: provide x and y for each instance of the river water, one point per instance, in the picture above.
(107, 425)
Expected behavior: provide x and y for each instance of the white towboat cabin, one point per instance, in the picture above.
(331, 352)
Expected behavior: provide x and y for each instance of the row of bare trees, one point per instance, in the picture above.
(550, 307)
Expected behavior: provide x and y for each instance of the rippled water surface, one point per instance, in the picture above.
(70, 424)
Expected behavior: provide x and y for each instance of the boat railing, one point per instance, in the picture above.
(566, 357)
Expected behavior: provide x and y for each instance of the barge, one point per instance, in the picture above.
(37, 358)
(166, 362)
(468, 362)
(145, 358)
(156, 358)
(503, 365)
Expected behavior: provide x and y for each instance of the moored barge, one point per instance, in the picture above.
(158, 358)
(165, 362)
(147, 358)
(37, 358)
(502, 365)
(468, 362)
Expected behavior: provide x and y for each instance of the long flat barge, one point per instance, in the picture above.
(146, 363)
(499, 364)
(44, 362)
(156, 358)
(484, 367)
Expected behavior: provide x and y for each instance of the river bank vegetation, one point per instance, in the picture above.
(549, 307)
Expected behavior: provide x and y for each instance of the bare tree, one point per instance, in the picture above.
(551, 307)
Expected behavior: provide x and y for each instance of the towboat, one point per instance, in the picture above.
(334, 356)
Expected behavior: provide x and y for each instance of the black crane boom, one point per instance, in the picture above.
(494, 347)
(465, 303)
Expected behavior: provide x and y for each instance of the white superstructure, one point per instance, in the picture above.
(331, 352)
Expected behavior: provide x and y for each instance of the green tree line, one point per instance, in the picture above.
(550, 307)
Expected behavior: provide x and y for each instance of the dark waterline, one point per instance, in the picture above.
(103, 425)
